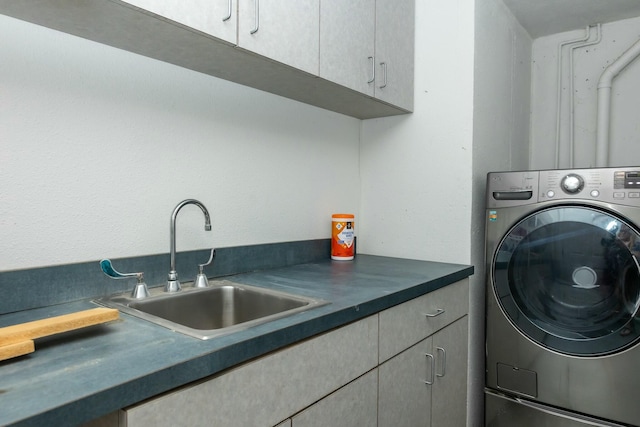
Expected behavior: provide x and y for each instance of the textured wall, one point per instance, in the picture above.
(98, 146)
(416, 170)
(589, 62)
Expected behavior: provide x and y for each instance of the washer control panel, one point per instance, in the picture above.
(619, 185)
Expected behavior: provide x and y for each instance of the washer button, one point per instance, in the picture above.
(550, 194)
(618, 195)
(634, 195)
(595, 193)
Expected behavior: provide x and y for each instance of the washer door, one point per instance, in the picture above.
(568, 277)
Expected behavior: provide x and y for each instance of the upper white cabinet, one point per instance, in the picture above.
(217, 18)
(320, 52)
(367, 46)
(282, 30)
(347, 43)
(395, 23)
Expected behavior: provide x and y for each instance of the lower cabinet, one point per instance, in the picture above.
(426, 385)
(405, 366)
(354, 405)
(269, 389)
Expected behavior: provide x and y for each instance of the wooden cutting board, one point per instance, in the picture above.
(18, 339)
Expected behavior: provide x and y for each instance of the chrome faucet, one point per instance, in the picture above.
(173, 284)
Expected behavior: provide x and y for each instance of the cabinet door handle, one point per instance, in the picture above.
(444, 362)
(226, 18)
(257, 18)
(384, 75)
(430, 365)
(373, 69)
(438, 312)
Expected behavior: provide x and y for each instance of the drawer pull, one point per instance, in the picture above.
(438, 312)
(432, 362)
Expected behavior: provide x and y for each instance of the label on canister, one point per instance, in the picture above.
(342, 236)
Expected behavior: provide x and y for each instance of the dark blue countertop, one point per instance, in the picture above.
(81, 375)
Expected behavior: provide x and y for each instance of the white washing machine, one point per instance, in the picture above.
(563, 296)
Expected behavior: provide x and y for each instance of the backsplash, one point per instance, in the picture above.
(45, 286)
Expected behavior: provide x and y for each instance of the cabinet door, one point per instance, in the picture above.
(347, 37)
(214, 17)
(449, 399)
(395, 22)
(283, 30)
(354, 405)
(426, 385)
(404, 395)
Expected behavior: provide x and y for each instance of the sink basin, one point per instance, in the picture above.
(220, 309)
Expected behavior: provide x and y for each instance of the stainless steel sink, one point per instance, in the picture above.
(220, 309)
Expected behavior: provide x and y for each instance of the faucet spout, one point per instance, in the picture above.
(173, 284)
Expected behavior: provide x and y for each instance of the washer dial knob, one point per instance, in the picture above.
(572, 183)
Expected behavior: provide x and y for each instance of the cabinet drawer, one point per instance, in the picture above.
(408, 323)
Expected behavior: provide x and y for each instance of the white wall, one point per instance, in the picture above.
(502, 82)
(589, 63)
(98, 145)
(416, 170)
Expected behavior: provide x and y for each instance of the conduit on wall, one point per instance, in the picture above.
(572, 92)
(576, 44)
(604, 102)
(559, 88)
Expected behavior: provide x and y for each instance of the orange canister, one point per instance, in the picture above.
(342, 236)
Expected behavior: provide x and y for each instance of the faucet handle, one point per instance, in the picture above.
(213, 254)
(201, 279)
(140, 290)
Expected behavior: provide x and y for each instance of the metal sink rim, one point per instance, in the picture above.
(123, 301)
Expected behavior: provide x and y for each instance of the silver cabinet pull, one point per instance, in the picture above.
(444, 362)
(432, 363)
(438, 312)
(384, 75)
(257, 18)
(373, 69)
(226, 18)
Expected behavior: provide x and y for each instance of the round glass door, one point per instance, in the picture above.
(568, 277)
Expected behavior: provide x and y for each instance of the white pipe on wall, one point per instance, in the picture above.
(604, 102)
(559, 88)
(571, 90)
